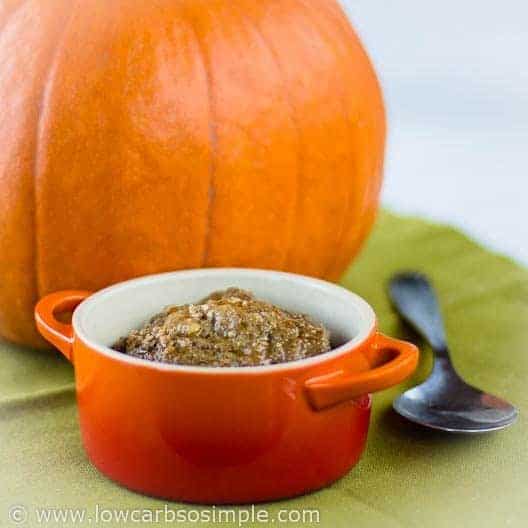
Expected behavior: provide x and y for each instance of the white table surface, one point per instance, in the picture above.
(455, 77)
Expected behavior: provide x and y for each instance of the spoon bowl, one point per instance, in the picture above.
(462, 409)
(444, 401)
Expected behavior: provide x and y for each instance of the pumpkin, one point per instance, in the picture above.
(138, 137)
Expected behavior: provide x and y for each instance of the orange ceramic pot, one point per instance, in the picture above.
(223, 435)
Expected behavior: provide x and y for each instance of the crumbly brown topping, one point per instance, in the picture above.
(226, 329)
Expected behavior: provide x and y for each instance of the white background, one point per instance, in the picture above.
(455, 77)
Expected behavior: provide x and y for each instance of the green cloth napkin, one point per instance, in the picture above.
(407, 477)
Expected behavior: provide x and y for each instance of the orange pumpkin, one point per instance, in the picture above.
(138, 137)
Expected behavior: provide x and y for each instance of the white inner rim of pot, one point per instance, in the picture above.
(113, 312)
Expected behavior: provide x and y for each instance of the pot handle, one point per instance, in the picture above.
(391, 360)
(56, 332)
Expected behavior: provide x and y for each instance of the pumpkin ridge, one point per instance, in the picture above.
(46, 88)
(213, 140)
(9, 12)
(339, 15)
(345, 210)
(295, 121)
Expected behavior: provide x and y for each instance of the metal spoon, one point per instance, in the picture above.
(444, 401)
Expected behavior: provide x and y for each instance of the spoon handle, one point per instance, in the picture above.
(414, 298)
